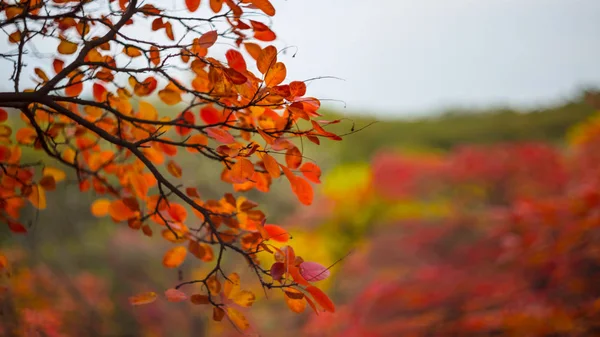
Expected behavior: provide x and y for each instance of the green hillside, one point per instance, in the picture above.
(449, 129)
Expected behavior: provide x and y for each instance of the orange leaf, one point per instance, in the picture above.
(241, 171)
(297, 305)
(208, 39)
(303, 190)
(192, 5)
(75, 86)
(266, 59)
(293, 158)
(177, 212)
(57, 65)
(265, 6)
(99, 92)
(199, 299)
(197, 140)
(214, 286)
(174, 295)
(144, 298)
(66, 47)
(271, 165)
(276, 74)
(120, 211)
(297, 89)
(262, 32)
(189, 119)
(174, 169)
(174, 257)
(154, 55)
(277, 233)
(169, 96)
(218, 312)
(132, 51)
(220, 135)
(321, 298)
(253, 49)
(100, 207)
(312, 172)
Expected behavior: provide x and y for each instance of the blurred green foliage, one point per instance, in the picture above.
(448, 129)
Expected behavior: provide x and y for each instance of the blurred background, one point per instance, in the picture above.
(468, 204)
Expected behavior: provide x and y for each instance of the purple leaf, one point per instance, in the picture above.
(277, 270)
(313, 271)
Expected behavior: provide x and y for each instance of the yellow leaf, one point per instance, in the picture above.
(170, 97)
(55, 173)
(238, 319)
(296, 303)
(66, 47)
(38, 197)
(143, 298)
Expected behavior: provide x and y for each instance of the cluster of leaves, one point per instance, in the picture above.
(32, 304)
(125, 151)
(516, 254)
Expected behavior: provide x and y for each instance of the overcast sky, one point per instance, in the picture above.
(408, 56)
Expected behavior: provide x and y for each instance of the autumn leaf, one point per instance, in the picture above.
(321, 298)
(37, 197)
(241, 171)
(293, 158)
(192, 5)
(220, 135)
(313, 271)
(174, 257)
(265, 6)
(174, 169)
(275, 75)
(238, 319)
(101, 207)
(271, 165)
(277, 233)
(266, 59)
(312, 172)
(208, 39)
(295, 300)
(66, 47)
(174, 295)
(235, 59)
(232, 291)
(144, 298)
(199, 299)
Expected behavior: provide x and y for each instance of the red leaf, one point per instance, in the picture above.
(210, 115)
(220, 135)
(312, 172)
(277, 233)
(208, 39)
(192, 5)
(235, 59)
(321, 298)
(174, 295)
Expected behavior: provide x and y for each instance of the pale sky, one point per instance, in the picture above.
(407, 57)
